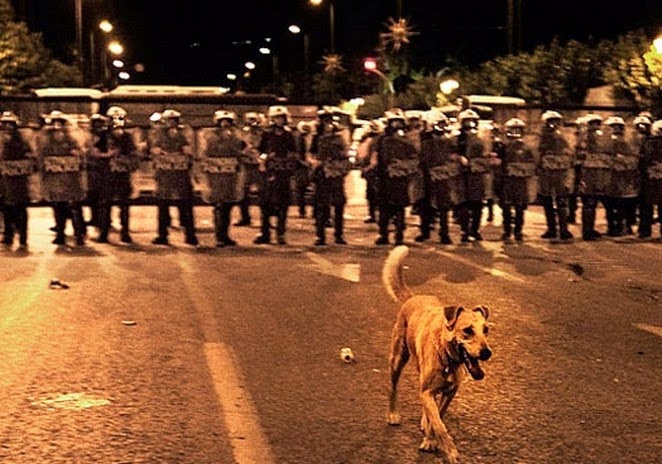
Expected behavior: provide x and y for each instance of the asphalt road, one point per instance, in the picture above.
(203, 355)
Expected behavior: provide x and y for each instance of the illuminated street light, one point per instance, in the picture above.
(294, 29)
(124, 75)
(370, 64)
(118, 64)
(332, 21)
(106, 26)
(249, 65)
(231, 77)
(448, 86)
(265, 51)
(115, 48)
(657, 44)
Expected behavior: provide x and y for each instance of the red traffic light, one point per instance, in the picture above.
(370, 64)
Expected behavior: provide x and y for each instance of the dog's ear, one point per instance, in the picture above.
(451, 313)
(484, 310)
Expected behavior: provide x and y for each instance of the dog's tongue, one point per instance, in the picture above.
(474, 368)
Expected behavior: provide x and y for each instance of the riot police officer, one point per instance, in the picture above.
(328, 157)
(651, 175)
(442, 179)
(368, 170)
(396, 160)
(278, 159)
(518, 170)
(251, 133)
(302, 178)
(595, 173)
(95, 176)
(60, 163)
(16, 165)
(473, 153)
(118, 161)
(556, 175)
(173, 159)
(623, 194)
(224, 170)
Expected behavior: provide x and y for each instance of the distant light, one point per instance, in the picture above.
(267, 39)
(294, 29)
(249, 65)
(657, 44)
(118, 63)
(448, 86)
(139, 67)
(106, 26)
(369, 64)
(124, 75)
(115, 48)
(247, 74)
(265, 51)
(231, 77)
(195, 45)
(316, 2)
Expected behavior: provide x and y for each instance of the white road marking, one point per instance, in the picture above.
(249, 445)
(487, 270)
(350, 272)
(238, 413)
(654, 329)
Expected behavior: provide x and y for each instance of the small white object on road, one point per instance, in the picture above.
(347, 355)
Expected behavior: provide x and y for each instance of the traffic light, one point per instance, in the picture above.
(370, 64)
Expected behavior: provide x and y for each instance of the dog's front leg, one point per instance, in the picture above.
(436, 434)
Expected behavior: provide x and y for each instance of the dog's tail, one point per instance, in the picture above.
(392, 276)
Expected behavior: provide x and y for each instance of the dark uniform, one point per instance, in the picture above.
(556, 181)
(16, 166)
(443, 183)
(329, 152)
(476, 175)
(222, 165)
(278, 148)
(93, 167)
(302, 169)
(625, 180)
(651, 175)
(61, 170)
(518, 170)
(368, 172)
(252, 135)
(396, 160)
(172, 158)
(595, 176)
(117, 164)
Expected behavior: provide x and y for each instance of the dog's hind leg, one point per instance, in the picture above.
(397, 362)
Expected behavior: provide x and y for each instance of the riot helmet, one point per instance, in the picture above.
(642, 123)
(224, 118)
(515, 128)
(98, 123)
(8, 121)
(171, 117)
(552, 119)
(616, 124)
(395, 119)
(468, 119)
(278, 115)
(656, 128)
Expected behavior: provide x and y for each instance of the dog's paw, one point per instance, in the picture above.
(428, 445)
(452, 454)
(393, 418)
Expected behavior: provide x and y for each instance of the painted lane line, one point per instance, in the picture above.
(487, 270)
(249, 445)
(237, 410)
(654, 329)
(349, 272)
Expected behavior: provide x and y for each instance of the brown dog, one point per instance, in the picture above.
(443, 341)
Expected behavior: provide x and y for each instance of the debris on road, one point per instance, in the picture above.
(55, 284)
(129, 322)
(347, 355)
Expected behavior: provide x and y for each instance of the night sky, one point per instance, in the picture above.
(191, 42)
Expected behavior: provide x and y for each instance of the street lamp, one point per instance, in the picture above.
(115, 48)
(99, 63)
(657, 44)
(106, 26)
(370, 65)
(332, 14)
(296, 30)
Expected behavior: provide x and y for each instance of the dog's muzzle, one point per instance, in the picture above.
(472, 364)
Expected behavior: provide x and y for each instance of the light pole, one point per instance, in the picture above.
(370, 65)
(296, 30)
(332, 21)
(106, 27)
(78, 10)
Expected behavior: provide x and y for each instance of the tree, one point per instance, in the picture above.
(25, 62)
